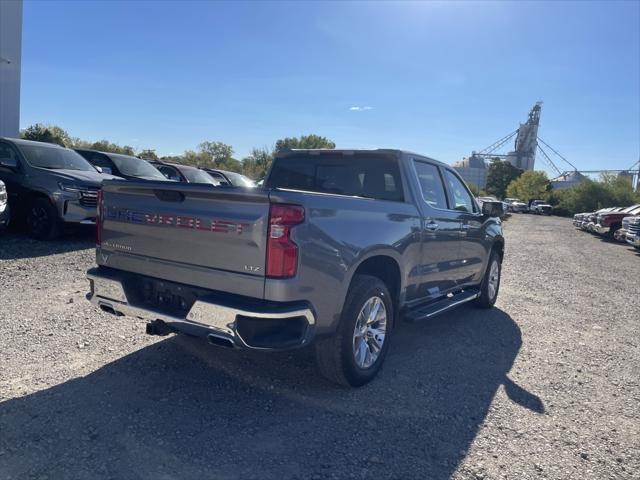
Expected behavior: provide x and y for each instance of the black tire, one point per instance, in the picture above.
(42, 220)
(486, 298)
(611, 234)
(335, 354)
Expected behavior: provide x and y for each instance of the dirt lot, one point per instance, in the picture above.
(546, 385)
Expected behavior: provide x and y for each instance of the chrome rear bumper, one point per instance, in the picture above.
(204, 318)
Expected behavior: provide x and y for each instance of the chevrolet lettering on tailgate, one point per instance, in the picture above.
(179, 221)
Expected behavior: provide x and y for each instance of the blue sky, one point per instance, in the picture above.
(441, 79)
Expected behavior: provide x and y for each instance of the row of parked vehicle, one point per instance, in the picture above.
(618, 223)
(46, 186)
(514, 205)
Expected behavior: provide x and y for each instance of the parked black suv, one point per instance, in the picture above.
(48, 185)
(125, 166)
(184, 173)
(232, 179)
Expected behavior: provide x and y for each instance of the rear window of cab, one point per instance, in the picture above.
(358, 175)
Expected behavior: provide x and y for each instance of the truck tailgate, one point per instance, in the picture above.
(202, 235)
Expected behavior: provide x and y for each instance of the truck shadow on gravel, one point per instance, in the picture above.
(15, 245)
(182, 409)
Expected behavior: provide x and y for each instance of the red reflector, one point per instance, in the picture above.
(99, 219)
(282, 252)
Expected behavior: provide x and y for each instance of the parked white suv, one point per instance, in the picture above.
(540, 207)
(516, 205)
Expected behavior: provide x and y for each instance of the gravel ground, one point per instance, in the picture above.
(545, 385)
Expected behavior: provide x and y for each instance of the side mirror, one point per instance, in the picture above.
(106, 170)
(99, 169)
(9, 162)
(492, 209)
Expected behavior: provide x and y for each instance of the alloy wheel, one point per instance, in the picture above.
(494, 279)
(369, 332)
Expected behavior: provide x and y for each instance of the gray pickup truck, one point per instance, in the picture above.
(335, 248)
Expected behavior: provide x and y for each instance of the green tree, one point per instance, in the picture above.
(215, 153)
(531, 185)
(148, 154)
(257, 164)
(305, 141)
(40, 132)
(500, 174)
(232, 165)
(590, 195)
(102, 146)
(189, 157)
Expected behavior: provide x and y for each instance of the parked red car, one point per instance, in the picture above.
(607, 223)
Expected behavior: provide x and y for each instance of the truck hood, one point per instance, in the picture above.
(87, 178)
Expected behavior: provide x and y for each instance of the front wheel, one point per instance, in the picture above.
(490, 282)
(42, 220)
(354, 354)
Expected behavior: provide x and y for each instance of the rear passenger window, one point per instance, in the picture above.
(362, 175)
(170, 172)
(431, 185)
(219, 178)
(460, 199)
(99, 160)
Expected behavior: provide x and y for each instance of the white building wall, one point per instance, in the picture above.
(10, 66)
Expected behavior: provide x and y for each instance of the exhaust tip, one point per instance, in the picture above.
(220, 340)
(108, 309)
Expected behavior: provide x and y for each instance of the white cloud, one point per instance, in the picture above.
(360, 109)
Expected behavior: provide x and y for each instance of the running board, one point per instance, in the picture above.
(432, 309)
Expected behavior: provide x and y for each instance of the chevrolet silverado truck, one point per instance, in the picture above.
(608, 223)
(631, 228)
(333, 250)
(586, 220)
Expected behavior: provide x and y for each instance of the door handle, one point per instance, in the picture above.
(433, 226)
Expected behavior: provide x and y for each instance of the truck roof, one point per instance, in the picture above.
(353, 151)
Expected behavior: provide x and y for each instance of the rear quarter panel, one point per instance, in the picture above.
(338, 234)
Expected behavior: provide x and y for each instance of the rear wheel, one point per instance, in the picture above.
(491, 282)
(613, 231)
(42, 220)
(355, 353)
